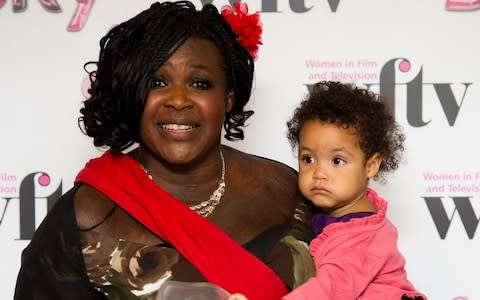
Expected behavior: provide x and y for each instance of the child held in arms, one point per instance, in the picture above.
(346, 136)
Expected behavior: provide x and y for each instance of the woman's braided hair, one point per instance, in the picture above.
(132, 51)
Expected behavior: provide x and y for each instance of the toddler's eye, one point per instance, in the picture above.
(308, 159)
(338, 161)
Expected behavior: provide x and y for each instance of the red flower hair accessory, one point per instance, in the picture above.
(248, 28)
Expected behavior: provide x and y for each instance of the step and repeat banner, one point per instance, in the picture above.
(423, 55)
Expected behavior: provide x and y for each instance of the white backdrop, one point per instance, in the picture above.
(424, 56)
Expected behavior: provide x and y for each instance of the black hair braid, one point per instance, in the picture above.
(100, 118)
(166, 33)
(240, 70)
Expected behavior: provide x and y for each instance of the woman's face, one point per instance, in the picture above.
(186, 105)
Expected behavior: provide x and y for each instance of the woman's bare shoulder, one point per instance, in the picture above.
(96, 214)
(91, 207)
(272, 179)
(263, 168)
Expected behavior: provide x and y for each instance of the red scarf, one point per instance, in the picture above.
(217, 257)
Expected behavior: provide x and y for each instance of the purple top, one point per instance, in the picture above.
(321, 220)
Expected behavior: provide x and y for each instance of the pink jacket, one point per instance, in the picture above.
(358, 259)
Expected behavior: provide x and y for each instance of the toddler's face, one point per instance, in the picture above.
(333, 171)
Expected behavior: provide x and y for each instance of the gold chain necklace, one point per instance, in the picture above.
(206, 208)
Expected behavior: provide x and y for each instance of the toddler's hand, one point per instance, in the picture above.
(237, 296)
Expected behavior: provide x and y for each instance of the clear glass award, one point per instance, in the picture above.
(177, 290)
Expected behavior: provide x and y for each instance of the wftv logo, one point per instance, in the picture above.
(414, 100)
(414, 92)
(27, 197)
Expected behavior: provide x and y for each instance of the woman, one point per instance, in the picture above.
(177, 205)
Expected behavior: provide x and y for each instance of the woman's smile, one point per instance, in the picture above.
(178, 131)
(177, 127)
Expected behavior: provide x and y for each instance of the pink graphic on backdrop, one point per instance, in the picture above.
(462, 5)
(50, 5)
(78, 19)
(404, 66)
(21, 5)
(81, 15)
(44, 180)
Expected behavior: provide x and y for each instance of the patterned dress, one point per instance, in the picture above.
(83, 265)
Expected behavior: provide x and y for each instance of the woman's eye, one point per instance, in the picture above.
(201, 84)
(338, 161)
(158, 83)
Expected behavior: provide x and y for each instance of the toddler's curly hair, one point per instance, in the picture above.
(358, 109)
